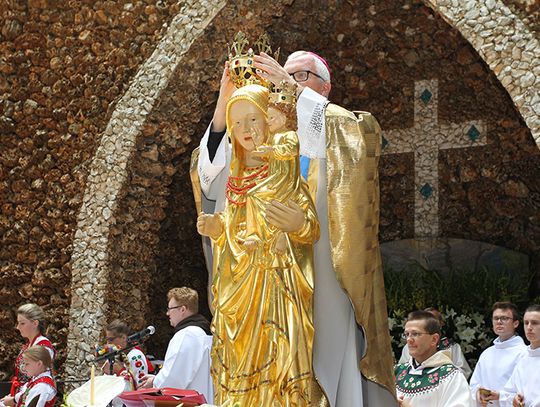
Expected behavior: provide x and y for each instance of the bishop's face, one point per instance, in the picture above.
(306, 62)
(249, 124)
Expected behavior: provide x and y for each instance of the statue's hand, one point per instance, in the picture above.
(251, 243)
(288, 218)
(271, 70)
(281, 244)
(263, 151)
(209, 225)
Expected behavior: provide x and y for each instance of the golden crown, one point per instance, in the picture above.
(284, 93)
(241, 68)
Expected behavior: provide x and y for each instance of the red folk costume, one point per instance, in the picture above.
(20, 377)
(45, 391)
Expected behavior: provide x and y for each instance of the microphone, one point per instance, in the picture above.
(141, 335)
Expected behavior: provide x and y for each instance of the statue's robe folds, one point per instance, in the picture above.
(352, 356)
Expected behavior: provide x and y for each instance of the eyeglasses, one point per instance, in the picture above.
(502, 319)
(413, 335)
(302, 76)
(171, 308)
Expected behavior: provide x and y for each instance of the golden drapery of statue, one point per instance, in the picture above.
(262, 278)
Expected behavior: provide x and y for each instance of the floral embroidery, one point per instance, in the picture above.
(428, 380)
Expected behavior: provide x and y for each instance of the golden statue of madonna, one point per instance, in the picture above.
(262, 277)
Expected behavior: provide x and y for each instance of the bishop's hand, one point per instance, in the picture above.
(271, 70)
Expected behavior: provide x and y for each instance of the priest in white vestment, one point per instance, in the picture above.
(187, 360)
(496, 363)
(339, 343)
(523, 387)
(429, 379)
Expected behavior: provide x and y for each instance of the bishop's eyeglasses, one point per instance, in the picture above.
(302, 76)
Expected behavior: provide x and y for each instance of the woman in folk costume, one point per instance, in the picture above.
(263, 323)
(38, 364)
(31, 325)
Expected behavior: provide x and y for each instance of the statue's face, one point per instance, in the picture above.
(276, 119)
(249, 124)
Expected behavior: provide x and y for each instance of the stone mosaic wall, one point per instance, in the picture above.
(71, 121)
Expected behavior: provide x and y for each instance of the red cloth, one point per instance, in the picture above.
(166, 396)
(32, 383)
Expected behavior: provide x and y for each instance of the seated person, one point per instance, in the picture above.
(453, 349)
(496, 363)
(523, 387)
(41, 388)
(137, 365)
(187, 360)
(429, 378)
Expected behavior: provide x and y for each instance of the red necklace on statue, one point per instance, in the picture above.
(239, 186)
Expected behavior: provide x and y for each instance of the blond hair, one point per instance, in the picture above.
(185, 296)
(39, 354)
(33, 312)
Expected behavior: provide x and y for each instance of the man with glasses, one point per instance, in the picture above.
(496, 363)
(187, 360)
(523, 387)
(429, 378)
(453, 349)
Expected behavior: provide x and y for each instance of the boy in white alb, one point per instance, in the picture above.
(523, 387)
(497, 362)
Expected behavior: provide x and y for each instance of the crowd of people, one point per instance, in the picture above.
(506, 374)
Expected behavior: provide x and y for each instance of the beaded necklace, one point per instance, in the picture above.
(239, 186)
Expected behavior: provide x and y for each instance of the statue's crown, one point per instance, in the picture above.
(284, 93)
(241, 68)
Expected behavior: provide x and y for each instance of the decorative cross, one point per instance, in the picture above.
(425, 139)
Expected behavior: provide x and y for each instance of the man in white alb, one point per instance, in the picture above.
(187, 360)
(523, 387)
(429, 379)
(496, 363)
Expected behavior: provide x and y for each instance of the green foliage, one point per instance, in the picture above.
(463, 290)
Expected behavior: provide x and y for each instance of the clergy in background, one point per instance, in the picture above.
(429, 379)
(523, 387)
(497, 362)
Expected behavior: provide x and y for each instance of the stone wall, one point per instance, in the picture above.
(64, 102)
(63, 65)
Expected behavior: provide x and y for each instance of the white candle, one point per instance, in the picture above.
(92, 378)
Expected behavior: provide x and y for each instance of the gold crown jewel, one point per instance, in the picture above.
(241, 68)
(284, 93)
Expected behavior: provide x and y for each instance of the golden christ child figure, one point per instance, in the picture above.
(262, 278)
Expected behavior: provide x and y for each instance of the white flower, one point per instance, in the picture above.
(391, 323)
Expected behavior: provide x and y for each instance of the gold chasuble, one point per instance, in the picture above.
(352, 153)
